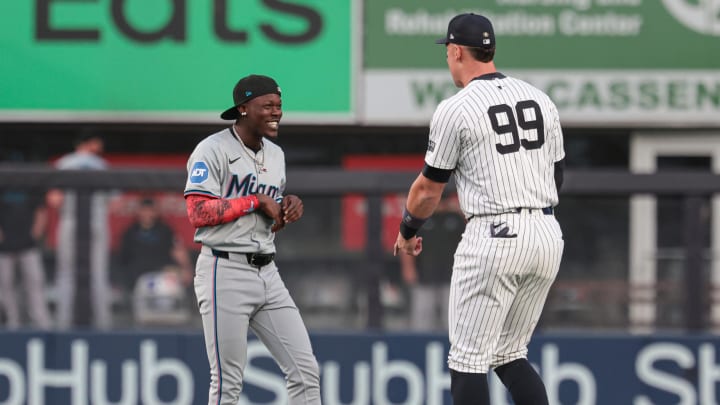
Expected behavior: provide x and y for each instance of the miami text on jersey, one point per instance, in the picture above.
(249, 185)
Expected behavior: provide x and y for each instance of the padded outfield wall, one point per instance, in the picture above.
(360, 369)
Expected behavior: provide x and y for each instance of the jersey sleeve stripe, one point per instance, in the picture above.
(200, 192)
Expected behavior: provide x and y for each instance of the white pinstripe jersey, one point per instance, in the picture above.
(502, 137)
(99, 200)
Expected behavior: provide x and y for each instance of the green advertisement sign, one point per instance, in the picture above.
(172, 59)
(552, 34)
(604, 62)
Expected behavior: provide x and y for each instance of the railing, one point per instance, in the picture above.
(324, 182)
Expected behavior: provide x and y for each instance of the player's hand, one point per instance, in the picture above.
(412, 246)
(292, 207)
(272, 209)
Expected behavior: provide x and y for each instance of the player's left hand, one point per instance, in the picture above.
(412, 246)
(272, 210)
(292, 208)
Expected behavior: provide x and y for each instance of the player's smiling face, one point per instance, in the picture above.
(264, 114)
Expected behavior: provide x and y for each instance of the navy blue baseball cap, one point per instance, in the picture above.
(471, 30)
(247, 89)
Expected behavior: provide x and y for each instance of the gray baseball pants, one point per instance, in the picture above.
(232, 296)
(33, 274)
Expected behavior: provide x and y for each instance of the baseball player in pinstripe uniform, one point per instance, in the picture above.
(502, 139)
(87, 156)
(234, 197)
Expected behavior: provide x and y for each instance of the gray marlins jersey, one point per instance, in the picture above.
(221, 166)
(502, 137)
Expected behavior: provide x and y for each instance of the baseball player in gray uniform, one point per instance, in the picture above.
(502, 139)
(234, 197)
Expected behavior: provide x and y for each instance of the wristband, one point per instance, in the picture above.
(406, 231)
(410, 225)
(254, 203)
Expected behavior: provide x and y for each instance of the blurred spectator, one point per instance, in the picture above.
(428, 275)
(150, 245)
(86, 156)
(23, 220)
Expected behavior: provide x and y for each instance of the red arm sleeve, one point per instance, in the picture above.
(207, 211)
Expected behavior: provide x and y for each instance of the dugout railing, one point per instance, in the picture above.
(697, 293)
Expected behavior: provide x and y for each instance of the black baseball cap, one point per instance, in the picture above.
(471, 30)
(247, 89)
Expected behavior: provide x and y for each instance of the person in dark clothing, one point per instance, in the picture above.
(150, 245)
(23, 219)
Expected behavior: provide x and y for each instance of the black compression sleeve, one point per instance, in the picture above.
(559, 173)
(435, 174)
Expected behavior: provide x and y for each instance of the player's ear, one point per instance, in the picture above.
(456, 51)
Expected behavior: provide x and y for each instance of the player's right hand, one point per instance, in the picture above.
(272, 210)
(412, 246)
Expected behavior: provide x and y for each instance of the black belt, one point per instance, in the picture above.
(546, 211)
(253, 259)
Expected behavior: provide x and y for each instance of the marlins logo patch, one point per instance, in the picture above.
(198, 173)
(431, 146)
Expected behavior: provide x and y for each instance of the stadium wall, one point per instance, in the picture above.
(360, 368)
